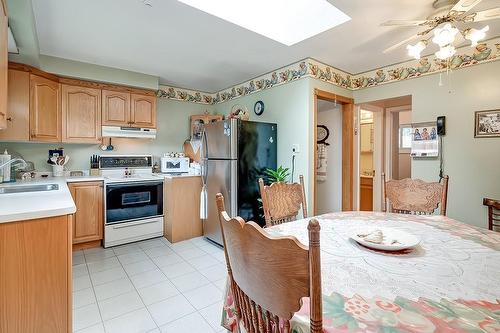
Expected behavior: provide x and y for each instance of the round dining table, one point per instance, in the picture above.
(450, 282)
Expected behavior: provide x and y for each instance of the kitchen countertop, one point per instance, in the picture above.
(167, 175)
(35, 205)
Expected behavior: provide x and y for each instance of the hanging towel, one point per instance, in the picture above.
(203, 203)
(321, 163)
(195, 144)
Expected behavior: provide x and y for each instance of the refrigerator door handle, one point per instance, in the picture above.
(204, 154)
(234, 188)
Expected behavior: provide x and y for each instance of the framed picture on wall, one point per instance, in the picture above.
(487, 124)
(424, 140)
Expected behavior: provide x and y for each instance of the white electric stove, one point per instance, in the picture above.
(133, 208)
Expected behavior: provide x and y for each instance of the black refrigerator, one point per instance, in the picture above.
(235, 154)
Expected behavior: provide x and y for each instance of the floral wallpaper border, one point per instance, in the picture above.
(465, 57)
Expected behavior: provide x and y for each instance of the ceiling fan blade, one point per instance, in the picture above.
(488, 14)
(395, 46)
(464, 5)
(403, 23)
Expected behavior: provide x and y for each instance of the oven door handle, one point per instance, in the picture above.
(128, 225)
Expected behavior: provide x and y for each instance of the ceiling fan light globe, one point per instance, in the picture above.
(445, 35)
(446, 52)
(475, 35)
(415, 50)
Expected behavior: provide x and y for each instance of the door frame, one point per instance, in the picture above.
(347, 145)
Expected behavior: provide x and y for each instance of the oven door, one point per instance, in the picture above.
(133, 201)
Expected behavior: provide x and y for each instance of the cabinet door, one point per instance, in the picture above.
(115, 108)
(18, 119)
(88, 219)
(45, 110)
(81, 114)
(3, 65)
(143, 111)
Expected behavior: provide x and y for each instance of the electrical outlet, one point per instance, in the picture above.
(295, 148)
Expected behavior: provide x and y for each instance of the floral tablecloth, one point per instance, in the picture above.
(449, 283)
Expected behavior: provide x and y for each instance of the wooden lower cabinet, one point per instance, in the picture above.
(182, 208)
(36, 276)
(88, 220)
(366, 194)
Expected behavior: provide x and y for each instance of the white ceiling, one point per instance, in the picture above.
(189, 48)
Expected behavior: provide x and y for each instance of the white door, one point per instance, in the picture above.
(378, 156)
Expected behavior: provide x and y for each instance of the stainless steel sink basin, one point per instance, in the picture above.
(28, 188)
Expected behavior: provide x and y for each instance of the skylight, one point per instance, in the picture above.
(285, 21)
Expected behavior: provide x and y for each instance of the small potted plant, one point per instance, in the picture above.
(279, 175)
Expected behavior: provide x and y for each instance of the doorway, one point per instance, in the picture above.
(344, 106)
(383, 145)
(329, 158)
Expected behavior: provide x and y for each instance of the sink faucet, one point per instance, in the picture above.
(12, 161)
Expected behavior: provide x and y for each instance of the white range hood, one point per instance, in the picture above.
(128, 132)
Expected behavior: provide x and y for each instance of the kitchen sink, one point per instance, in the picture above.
(28, 188)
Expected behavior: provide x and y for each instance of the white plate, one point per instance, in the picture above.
(393, 239)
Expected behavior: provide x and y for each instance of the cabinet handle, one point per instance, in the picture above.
(9, 119)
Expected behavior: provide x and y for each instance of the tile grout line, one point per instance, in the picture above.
(184, 260)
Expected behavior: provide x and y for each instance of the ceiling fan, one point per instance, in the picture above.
(444, 21)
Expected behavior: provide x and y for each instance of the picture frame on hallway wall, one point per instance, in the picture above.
(487, 124)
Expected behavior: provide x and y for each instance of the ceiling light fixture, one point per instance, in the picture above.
(475, 35)
(444, 23)
(416, 50)
(445, 35)
(285, 21)
(446, 52)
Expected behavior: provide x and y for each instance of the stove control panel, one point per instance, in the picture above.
(136, 161)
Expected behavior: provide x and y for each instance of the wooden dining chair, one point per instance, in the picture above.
(282, 202)
(414, 196)
(270, 275)
(493, 213)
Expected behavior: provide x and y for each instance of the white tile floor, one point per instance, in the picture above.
(149, 286)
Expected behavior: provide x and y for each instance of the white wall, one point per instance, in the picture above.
(329, 192)
(472, 163)
(173, 129)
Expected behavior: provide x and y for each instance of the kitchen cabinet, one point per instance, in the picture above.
(199, 120)
(115, 108)
(182, 208)
(3, 65)
(36, 272)
(88, 219)
(143, 111)
(366, 194)
(18, 106)
(45, 109)
(81, 114)
(128, 109)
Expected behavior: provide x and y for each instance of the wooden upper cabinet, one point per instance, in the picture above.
(3, 65)
(45, 110)
(18, 106)
(115, 108)
(143, 111)
(81, 114)
(88, 219)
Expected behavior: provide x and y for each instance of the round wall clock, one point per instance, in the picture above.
(322, 134)
(258, 108)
